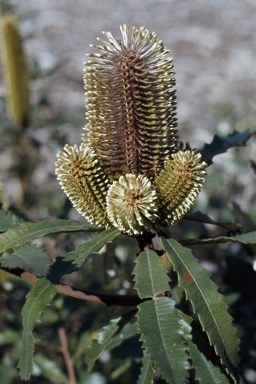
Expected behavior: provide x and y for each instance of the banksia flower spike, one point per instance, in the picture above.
(131, 172)
(178, 185)
(131, 103)
(15, 73)
(84, 182)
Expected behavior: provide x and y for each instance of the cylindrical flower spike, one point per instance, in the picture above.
(84, 182)
(179, 184)
(15, 72)
(131, 103)
(132, 204)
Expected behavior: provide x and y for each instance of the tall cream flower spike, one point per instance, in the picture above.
(14, 69)
(132, 172)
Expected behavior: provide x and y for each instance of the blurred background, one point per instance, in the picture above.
(214, 53)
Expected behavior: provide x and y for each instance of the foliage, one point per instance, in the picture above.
(169, 331)
(84, 304)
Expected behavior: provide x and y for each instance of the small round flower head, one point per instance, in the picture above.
(132, 204)
(179, 184)
(84, 182)
(131, 103)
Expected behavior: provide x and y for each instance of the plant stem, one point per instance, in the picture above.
(66, 354)
(145, 240)
(86, 295)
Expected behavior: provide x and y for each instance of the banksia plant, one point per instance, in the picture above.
(130, 171)
(14, 70)
(131, 175)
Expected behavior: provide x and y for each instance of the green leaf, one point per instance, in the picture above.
(146, 373)
(244, 238)
(37, 299)
(25, 232)
(150, 275)
(5, 377)
(60, 268)
(222, 144)
(82, 251)
(28, 258)
(206, 372)
(207, 302)
(50, 369)
(9, 337)
(161, 333)
(111, 336)
(7, 221)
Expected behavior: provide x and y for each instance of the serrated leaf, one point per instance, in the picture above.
(25, 232)
(146, 372)
(207, 302)
(50, 369)
(7, 221)
(37, 299)
(60, 268)
(222, 144)
(150, 275)
(28, 258)
(161, 333)
(206, 372)
(111, 336)
(244, 238)
(82, 251)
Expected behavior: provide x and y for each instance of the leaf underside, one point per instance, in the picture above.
(207, 302)
(27, 258)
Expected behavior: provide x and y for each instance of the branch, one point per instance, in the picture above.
(86, 295)
(66, 355)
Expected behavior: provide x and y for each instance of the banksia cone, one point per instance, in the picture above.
(178, 184)
(84, 182)
(131, 103)
(131, 172)
(15, 73)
